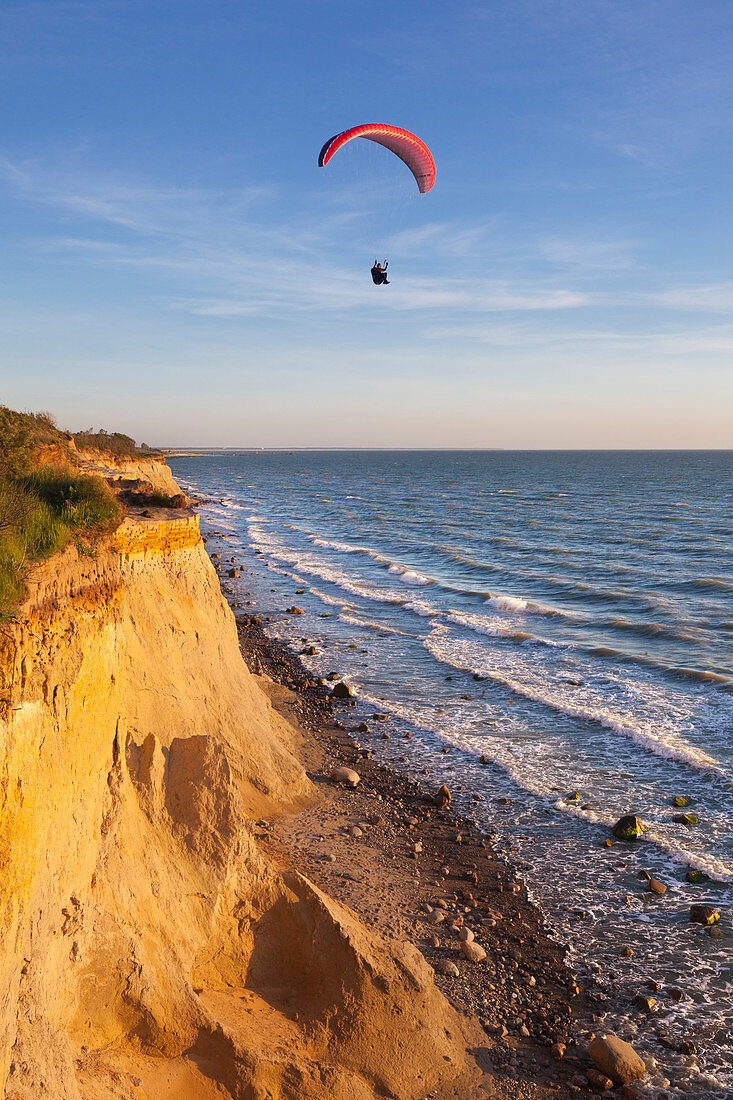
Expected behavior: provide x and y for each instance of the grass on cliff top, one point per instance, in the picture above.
(42, 506)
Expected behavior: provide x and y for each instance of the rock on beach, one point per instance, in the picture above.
(616, 1059)
(341, 690)
(628, 827)
(443, 797)
(474, 952)
(703, 914)
(445, 966)
(347, 777)
(686, 819)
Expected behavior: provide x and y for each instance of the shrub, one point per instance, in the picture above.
(114, 443)
(20, 435)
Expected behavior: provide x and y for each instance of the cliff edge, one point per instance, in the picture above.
(149, 948)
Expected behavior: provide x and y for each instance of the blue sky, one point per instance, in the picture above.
(175, 265)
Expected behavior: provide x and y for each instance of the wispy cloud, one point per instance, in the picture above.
(707, 298)
(587, 255)
(222, 257)
(221, 254)
(145, 209)
(657, 345)
(447, 238)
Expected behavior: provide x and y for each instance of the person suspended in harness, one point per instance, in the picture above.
(379, 273)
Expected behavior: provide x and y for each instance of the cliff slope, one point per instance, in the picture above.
(149, 949)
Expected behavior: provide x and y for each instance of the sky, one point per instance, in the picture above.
(174, 264)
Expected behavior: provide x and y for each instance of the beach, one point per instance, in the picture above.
(359, 846)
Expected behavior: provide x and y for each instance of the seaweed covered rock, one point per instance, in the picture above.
(686, 819)
(704, 914)
(628, 827)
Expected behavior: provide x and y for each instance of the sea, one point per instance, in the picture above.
(564, 617)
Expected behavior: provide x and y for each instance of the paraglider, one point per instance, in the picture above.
(379, 273)
(407, 146)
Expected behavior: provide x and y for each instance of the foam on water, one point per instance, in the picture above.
(495, 627)
(662, 739)
(510, 604)
(370, 624)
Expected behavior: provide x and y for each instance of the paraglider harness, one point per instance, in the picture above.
(379, 273)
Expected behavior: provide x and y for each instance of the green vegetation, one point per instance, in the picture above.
(113, 443)
(156, 499)
(44, 501)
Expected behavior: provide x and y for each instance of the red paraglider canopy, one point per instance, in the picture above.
(408, 147)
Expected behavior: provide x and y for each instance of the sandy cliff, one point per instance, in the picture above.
(151, 469)
(148, 947)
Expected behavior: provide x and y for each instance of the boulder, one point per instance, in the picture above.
(703, 914)
(693, 875)
(474, 952)
(656, 886)
(680, 800)
(466, 935)
(234, 572)
(443, 797)
(345, 776)
(628, 827)
(605, 1084)
(341, 690)
(445, 966)
(294, 610)
(686, 819)
(616, 1059)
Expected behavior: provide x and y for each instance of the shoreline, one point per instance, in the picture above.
(635, 986)
(359, 846)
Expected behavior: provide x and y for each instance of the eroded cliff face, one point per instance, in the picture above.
(148, 947)
(152, 470)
